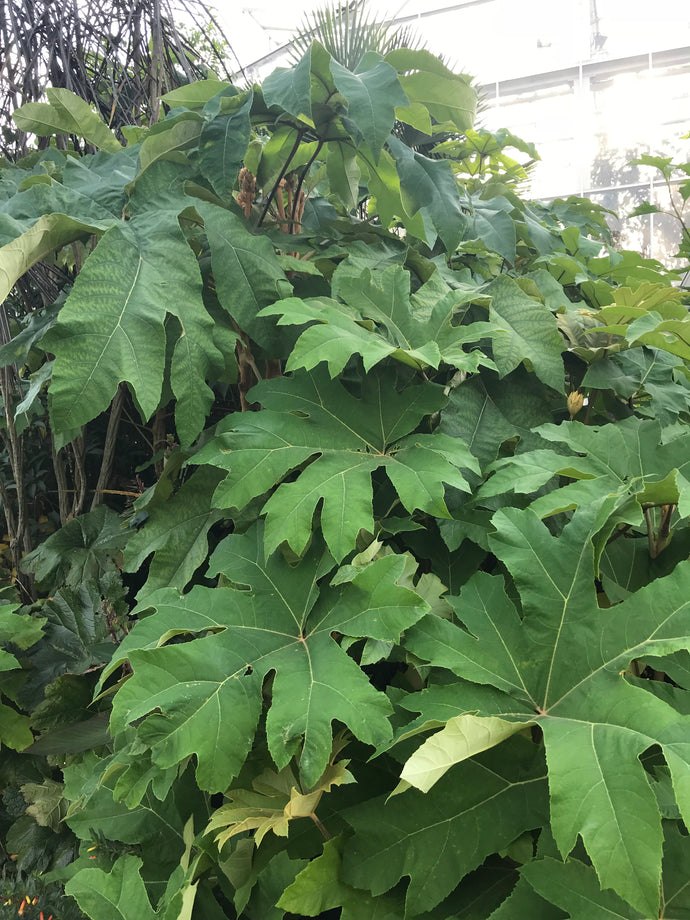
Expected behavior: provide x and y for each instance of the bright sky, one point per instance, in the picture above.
(492, 39)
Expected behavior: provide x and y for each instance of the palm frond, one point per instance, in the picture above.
(348, 32)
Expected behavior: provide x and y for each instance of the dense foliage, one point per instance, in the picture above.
(381, 606)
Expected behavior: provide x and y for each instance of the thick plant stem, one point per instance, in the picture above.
(280, 178)
(78, 446)
(246, 365)
(319, 824)
(159, 438)
(17, 522)
(61, 480)
(73, 455)
(156, 61)
(109, 445)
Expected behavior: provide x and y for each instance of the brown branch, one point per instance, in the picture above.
(78, 446)
(63, 489)
(283, 171)
(109, 445)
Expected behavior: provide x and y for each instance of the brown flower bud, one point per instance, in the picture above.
(575, 402)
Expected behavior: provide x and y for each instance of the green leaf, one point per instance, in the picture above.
(247, 273)
(437, 838)
(176, 531)
(77, 638)
(194, 95)
(573, 887)
(485, 412)
(626, 460)
(14, 728)
(343, 172)
(490, 227)
(79, 552)
(430, 186)
(174, 135)
(204, 696)
(529, 333)
(222, 146)
(462, 737)
(644, 370)
(409, 59)
(412, 336)
(448, 98)
(48, 233)
(383, 182)
(17, 350)
(378, 318)
(675, 894)
(289, 88)
(65, 113)
(416, 115)
(151, 818)
(595, 723)
(297, 423)
(20, 629)
(319, 888)
(111, 328)
(372, 96)
(523, 902)
(75, 738)
(116, 895)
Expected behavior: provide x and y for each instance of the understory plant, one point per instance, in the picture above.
(361, 588)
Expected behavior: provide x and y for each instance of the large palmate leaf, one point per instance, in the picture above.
(112, 328)
(311, 417)
(646, 372)
(448, 97)
(438, 837)
(430, 186)
(65, 113)
(80, 552)
(78, 638)
(204, 696)
(276, 800)
(490, 224)
(563, 666)
(627, 460)
(103, 177)
(372, 96)
(222, 146)
(117, 895)
(246, 270)
(176, 531)
(40, 219)
(21, 631)
(574, 887)
(289, 88)
(319, 887)
(485, 412)
(532, 334)
(377, 317)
